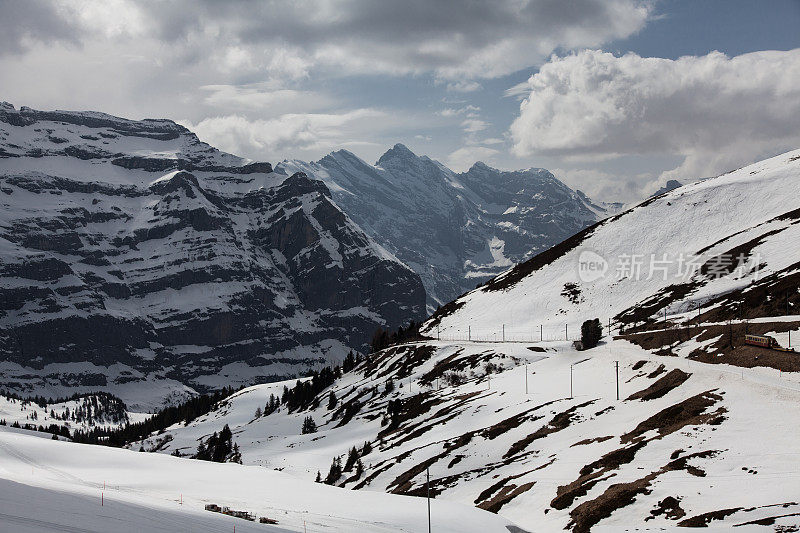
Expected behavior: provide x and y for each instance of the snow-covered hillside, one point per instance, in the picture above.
(504, 428)
(686, 248)
(50, 485)
(138, 260)
(455, 230)
(545, 434)
(64, 416)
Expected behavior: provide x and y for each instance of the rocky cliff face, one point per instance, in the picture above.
(455, 230)
(135, 256)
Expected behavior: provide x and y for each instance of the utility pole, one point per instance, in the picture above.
(541, 332)
(504, 333)
(437, 332)
(665, 315)
(469, 333)
(616, 364)
(570, 381)
(428, 489)
(566, 334)
(526, 378)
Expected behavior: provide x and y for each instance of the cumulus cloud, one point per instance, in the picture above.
(463, 158)
(272, 138)
(714, 111)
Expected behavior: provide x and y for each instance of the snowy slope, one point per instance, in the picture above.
(78, 413)
(534, 430)
(57, 486)
(138, 260)
(455, 230)
(536, 455)
(669, 254)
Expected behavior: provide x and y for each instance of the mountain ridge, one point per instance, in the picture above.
(133, 252)
(456, 230)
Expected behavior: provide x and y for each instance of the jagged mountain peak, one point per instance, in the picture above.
(398, 151)
(455, 230)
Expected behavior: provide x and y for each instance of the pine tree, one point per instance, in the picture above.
(332, 400)
(236, 455)
(335, 472)
(258, 412)
(366, 449)
(309, 426)
(319, 477)
(359, 469)
(389, 386)
(352, 457)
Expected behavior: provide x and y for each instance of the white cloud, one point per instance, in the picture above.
(463, 158)
(474, 125)
(716, 112)
(271, 139)
(603, 185)
(468, 110)
(464, 86)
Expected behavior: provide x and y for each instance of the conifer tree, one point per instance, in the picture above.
(309, 426)
(332, 400)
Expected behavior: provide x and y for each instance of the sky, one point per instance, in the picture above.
(613, 96)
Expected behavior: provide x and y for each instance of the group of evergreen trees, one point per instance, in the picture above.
(219, 448)
(54, 429)
(303, 394)
(184, 413)
(353, 463)
(383, 338)
(309, 426)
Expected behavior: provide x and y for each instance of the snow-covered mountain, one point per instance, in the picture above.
(656, 429)
(136, 259)
(456, 230)
(670, 254)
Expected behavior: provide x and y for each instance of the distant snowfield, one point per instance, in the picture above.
(48, 486)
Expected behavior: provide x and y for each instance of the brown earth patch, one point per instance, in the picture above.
(702, 520)
(728, 348)
(670, 507)
(487, 493)
(619, 495)
(673, 379)
(593, 473)
(584, 442)
(768, 521)
(692, 411)
(506, 494)
(559, 422)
